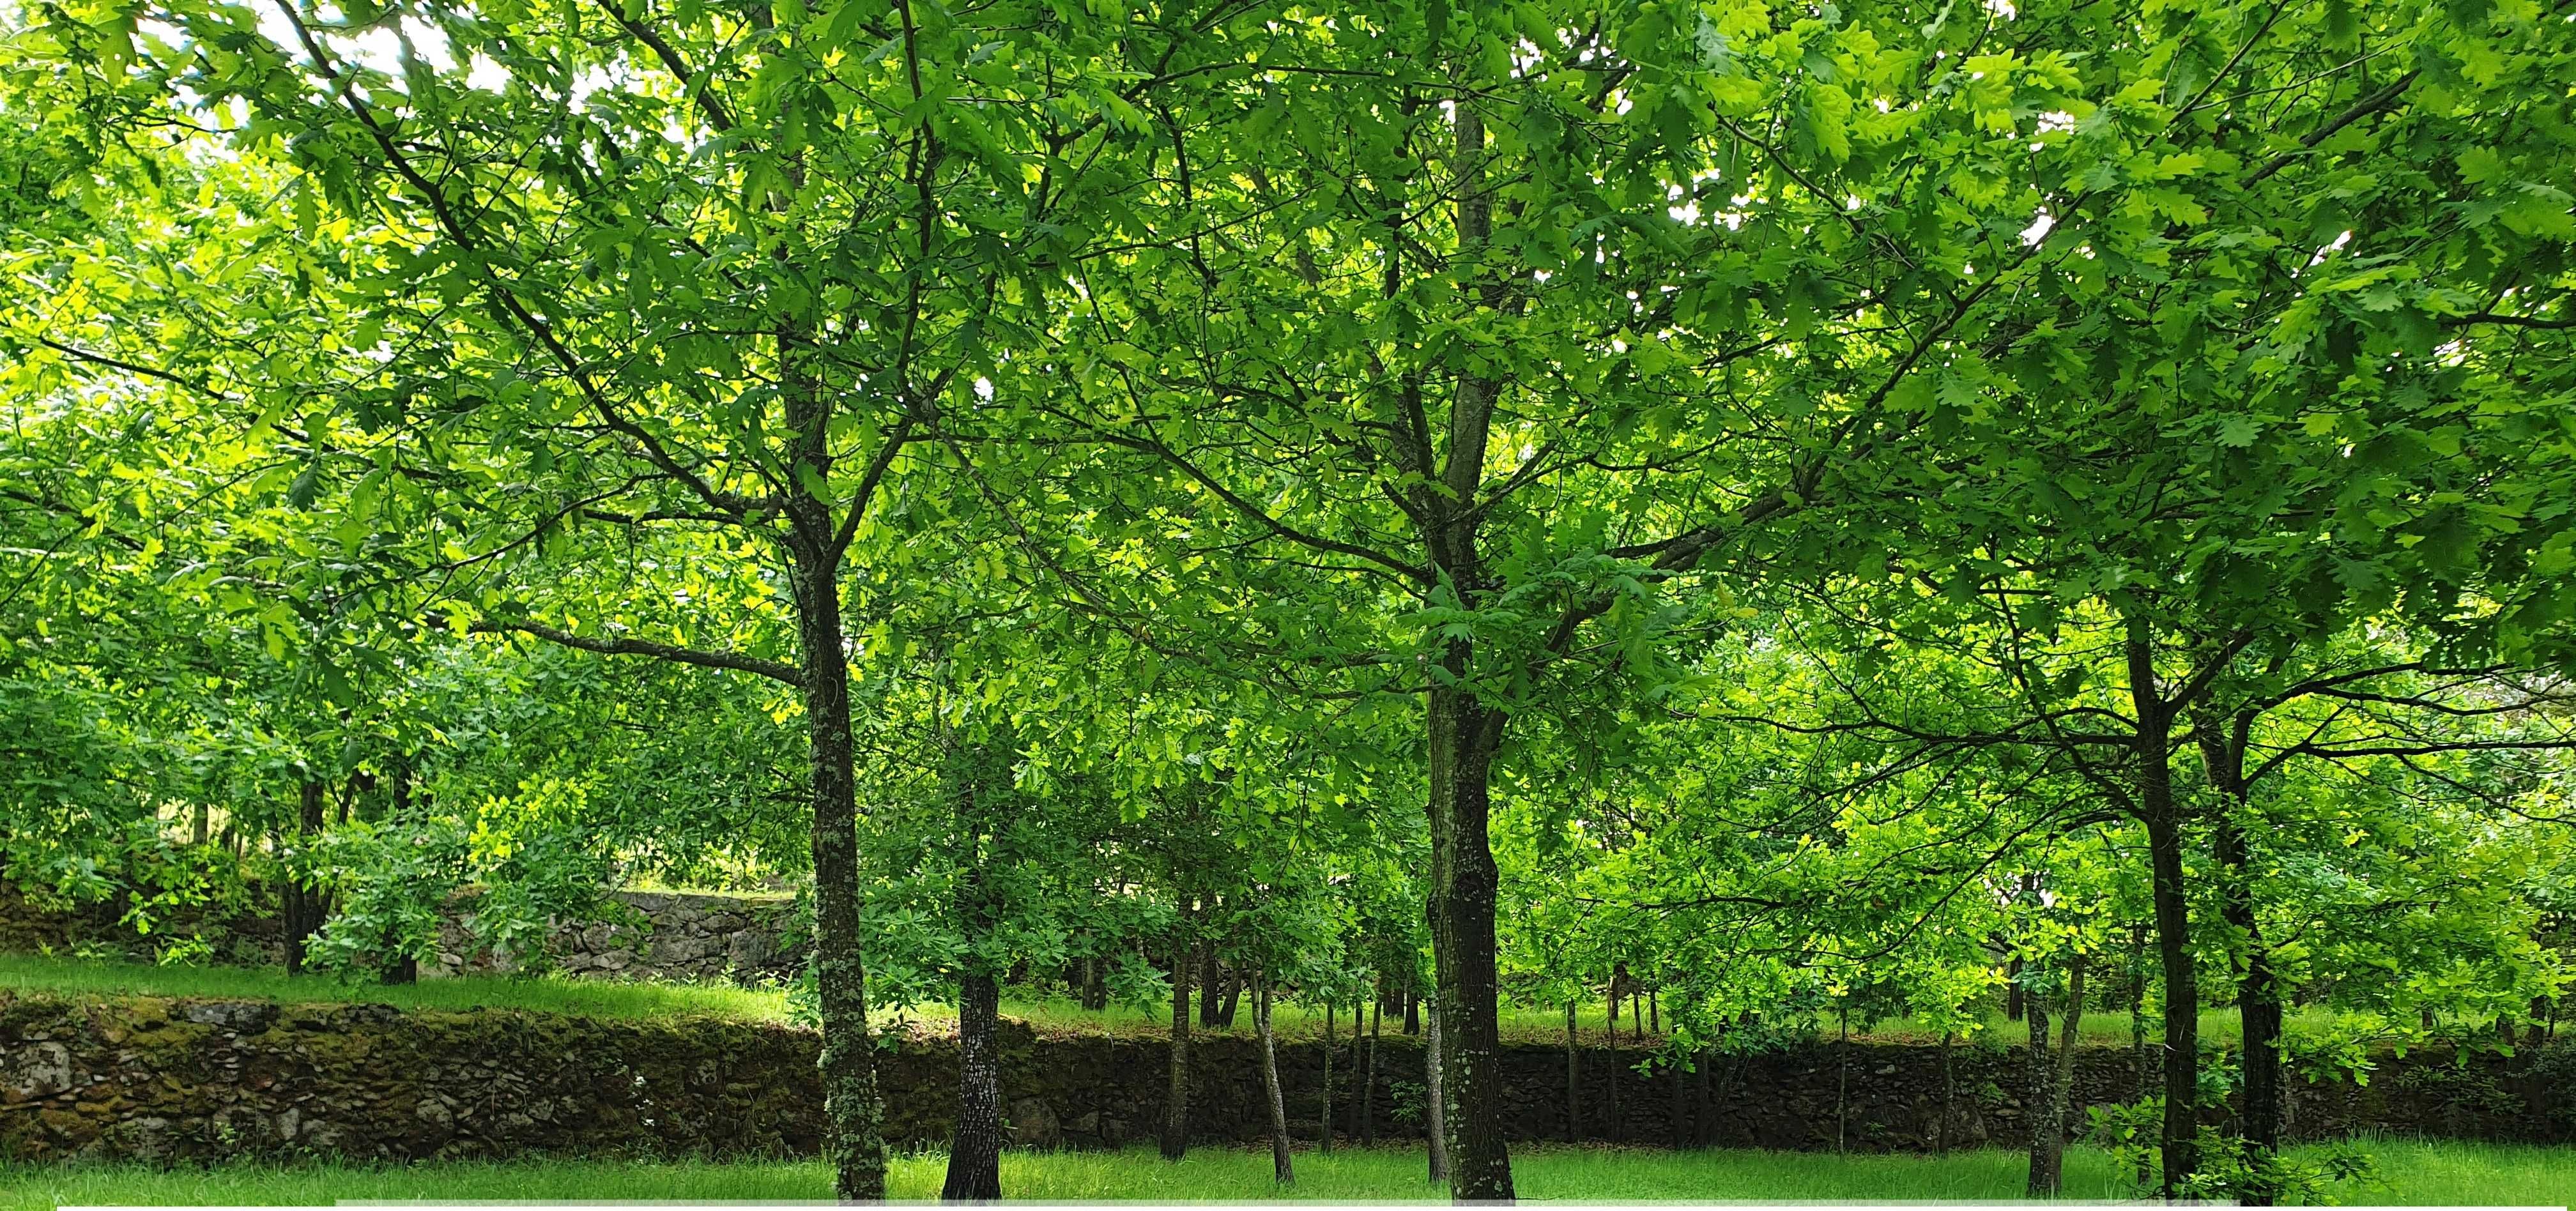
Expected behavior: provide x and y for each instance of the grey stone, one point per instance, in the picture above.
(41, 1070)
(1034, 1125)
(244, 1016)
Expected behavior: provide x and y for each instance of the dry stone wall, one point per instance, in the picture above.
(675, 936)
(183, 1079)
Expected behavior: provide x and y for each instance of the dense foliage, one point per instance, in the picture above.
(1752, 511)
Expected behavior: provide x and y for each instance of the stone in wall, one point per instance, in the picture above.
(680, 937)
(162, 1079)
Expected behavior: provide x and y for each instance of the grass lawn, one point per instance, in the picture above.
(2410, 1172)
(1048, 1015)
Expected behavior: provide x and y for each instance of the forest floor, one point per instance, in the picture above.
(1048, 1016)
(2407, 1172)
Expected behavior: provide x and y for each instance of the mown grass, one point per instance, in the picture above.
(593, 998)
(1047, 1015)
(2410, 1172)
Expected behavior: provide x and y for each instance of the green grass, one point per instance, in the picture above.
(595, 998)
(1048, 1015)
(2410, 1173)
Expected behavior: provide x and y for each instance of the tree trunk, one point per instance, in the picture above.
(1324, 1118)
(1464, 735)
(1234, 983)
(1212, 977)
(2015, 1001)
(1282, 1169)
(2258, 998)
(975, 1151)
(1412, 1011)
(301, 903)
(2180, 1141)
(1842, 1078)
(1573, 1081)
(1947, 1086)
(853, 1136)
(1176, 1101)
(1368, 1081)
(2180, 1135)
(1704, 1111)
(1435, 1108)
(2050, 1077)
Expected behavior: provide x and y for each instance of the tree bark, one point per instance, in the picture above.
(2180, 1135)
(1212, 977)
(975, 1151)
(1465, 734)
(1435, 1108)
(2258, 999)
(1176, 1101)
(2050, 1078)
(854, 1138)
(1282, 1169)
(1942, 1133)
(302, 904)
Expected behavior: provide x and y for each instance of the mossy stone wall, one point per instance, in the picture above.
(185, 1079)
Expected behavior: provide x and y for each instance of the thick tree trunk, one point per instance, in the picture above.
(1435, 1108)
(975, 1151)
(1176, 1102)
(1282, 1169)
(854, 1139)
(1573, 1080)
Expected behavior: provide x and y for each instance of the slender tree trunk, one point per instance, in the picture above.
(1842, 1078)
(1655, 1011)
(2015, 1000)
(975, 1151)
(1573, 1080)
(1234, 985)
(1435, 1108)
(302, 904)
(1412, 1010)
(1282, 1169)
(1947, 1096)
(2162, 815)
(2258, 998)
(1324, 1119)
(1212, 976)
(203, 822)
(1176, 1102)
(1368, 1083)
(2050, 1077)
(854, 1138)
(2037, 1116)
